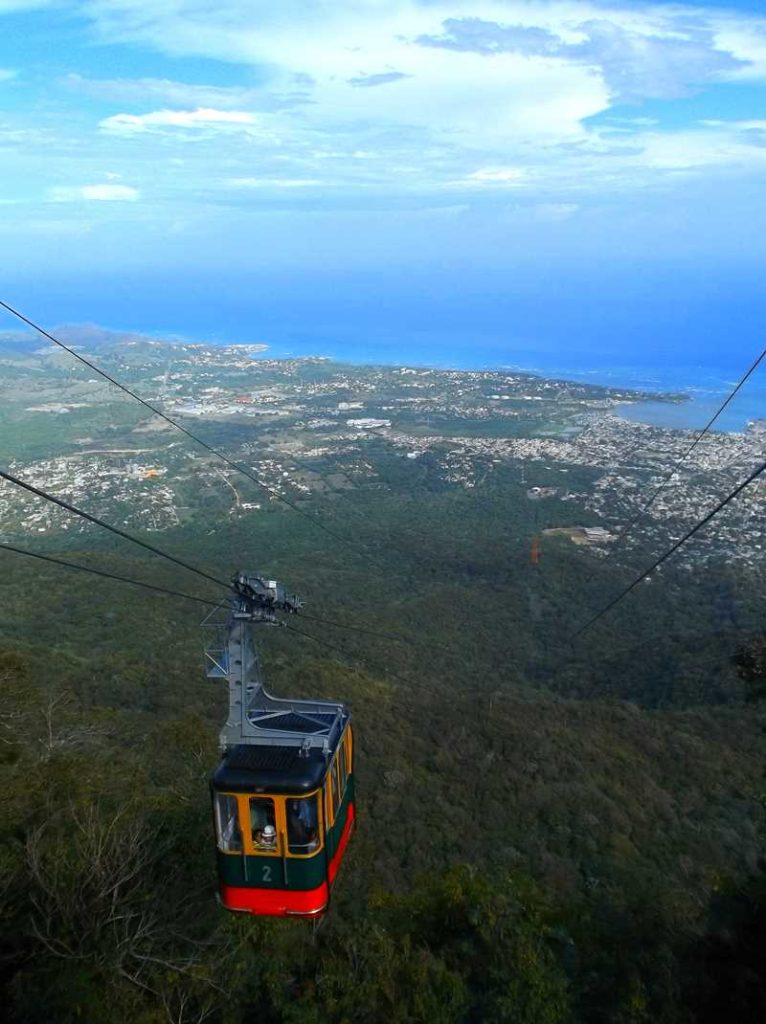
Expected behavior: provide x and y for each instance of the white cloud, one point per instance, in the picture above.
(272, 182)
(758, 125)
(358, 38)
(11, 6)
(97, 193)
(186, 95)
(204, 118)
(745, 39)
(342, 45)
(494, 176)
(56, 228)
(554, 213)
(498, 73)
(701, 149)
(383, 78)
(660, 58)
(6, 74)
(404, 98)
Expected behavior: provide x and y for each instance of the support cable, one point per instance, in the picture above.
(356, 629)
(347, 656)
(192, 597)
(679, 543)
(109, 575)
(676, 466)
(107, 526)
(316, 639)
(174, 423)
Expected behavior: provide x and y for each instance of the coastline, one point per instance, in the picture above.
(704, 388)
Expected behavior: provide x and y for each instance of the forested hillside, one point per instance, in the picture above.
(548, 831)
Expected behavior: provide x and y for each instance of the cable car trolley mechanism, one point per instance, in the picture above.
(283, 794)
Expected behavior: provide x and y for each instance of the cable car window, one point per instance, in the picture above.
(227, 822)
(302, 824)
(336, 790)
(342, 766)
(263, 825)
(327, 805)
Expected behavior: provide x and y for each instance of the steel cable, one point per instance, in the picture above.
(107, 526)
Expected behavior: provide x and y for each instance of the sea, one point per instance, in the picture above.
(704, 385)
(703, 388)
(657, 342)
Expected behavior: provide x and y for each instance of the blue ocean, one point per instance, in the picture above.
(704, 387)
(668, 334)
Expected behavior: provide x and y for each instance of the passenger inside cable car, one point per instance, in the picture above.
(263, 823)
(302, 824)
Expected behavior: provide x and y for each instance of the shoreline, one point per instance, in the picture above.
(697, 390)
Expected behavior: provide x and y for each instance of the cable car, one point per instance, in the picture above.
(283, 794)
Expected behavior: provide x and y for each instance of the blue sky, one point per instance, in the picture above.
(561, 171)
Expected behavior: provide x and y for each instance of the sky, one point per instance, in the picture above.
(511, 174)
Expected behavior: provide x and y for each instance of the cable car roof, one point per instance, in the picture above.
(271, 769)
